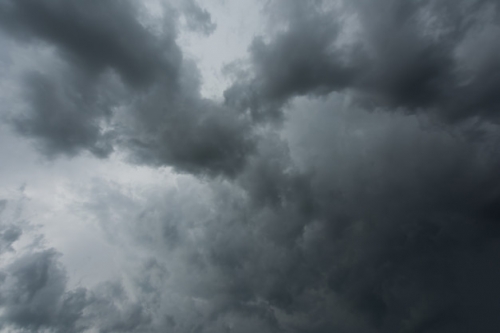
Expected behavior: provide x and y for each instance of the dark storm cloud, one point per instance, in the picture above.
(96, 35)
(65, 116)
(343, 220)
(415, 55)
(402, 214)
(390, 226)
(123, 84)
(295, 62)
(190, 133)
(385, 229)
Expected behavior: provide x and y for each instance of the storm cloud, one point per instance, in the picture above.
(420, 56)
(346, 181)
(112, 66)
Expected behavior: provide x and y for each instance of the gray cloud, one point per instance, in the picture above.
(33, 293)
(190, 133)
(122, 86)
(96, 35)
(35, 296)
(198, 19)
(397, 207)
(391, 227)
(66, 115)
(414, 55)
(9, 233)
(346, 218)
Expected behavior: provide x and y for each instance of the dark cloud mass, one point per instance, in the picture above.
(116, 65)
(348, 182)
(95, 34)
(417, 55)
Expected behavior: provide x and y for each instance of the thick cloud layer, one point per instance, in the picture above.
(353, 169)
(391, 227)
(95, 35)
(415, 55)
(122, 83)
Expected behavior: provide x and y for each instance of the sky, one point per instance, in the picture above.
(249, 166)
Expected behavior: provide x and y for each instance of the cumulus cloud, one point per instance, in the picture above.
(35, 295)
(414, 55)
(392, 227)
(95, 35)
(348, 181)
(122, 84)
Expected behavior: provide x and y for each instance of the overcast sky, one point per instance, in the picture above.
(249, 166)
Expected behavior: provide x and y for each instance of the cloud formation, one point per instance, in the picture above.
(419, 56)
(348, 182)
(124, 84)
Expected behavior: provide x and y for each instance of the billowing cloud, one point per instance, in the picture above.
(414, 55)
(35, 295)
(96, 35)
(122, 84)
(348, 181)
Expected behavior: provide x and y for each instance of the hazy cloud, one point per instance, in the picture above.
(198, 19)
